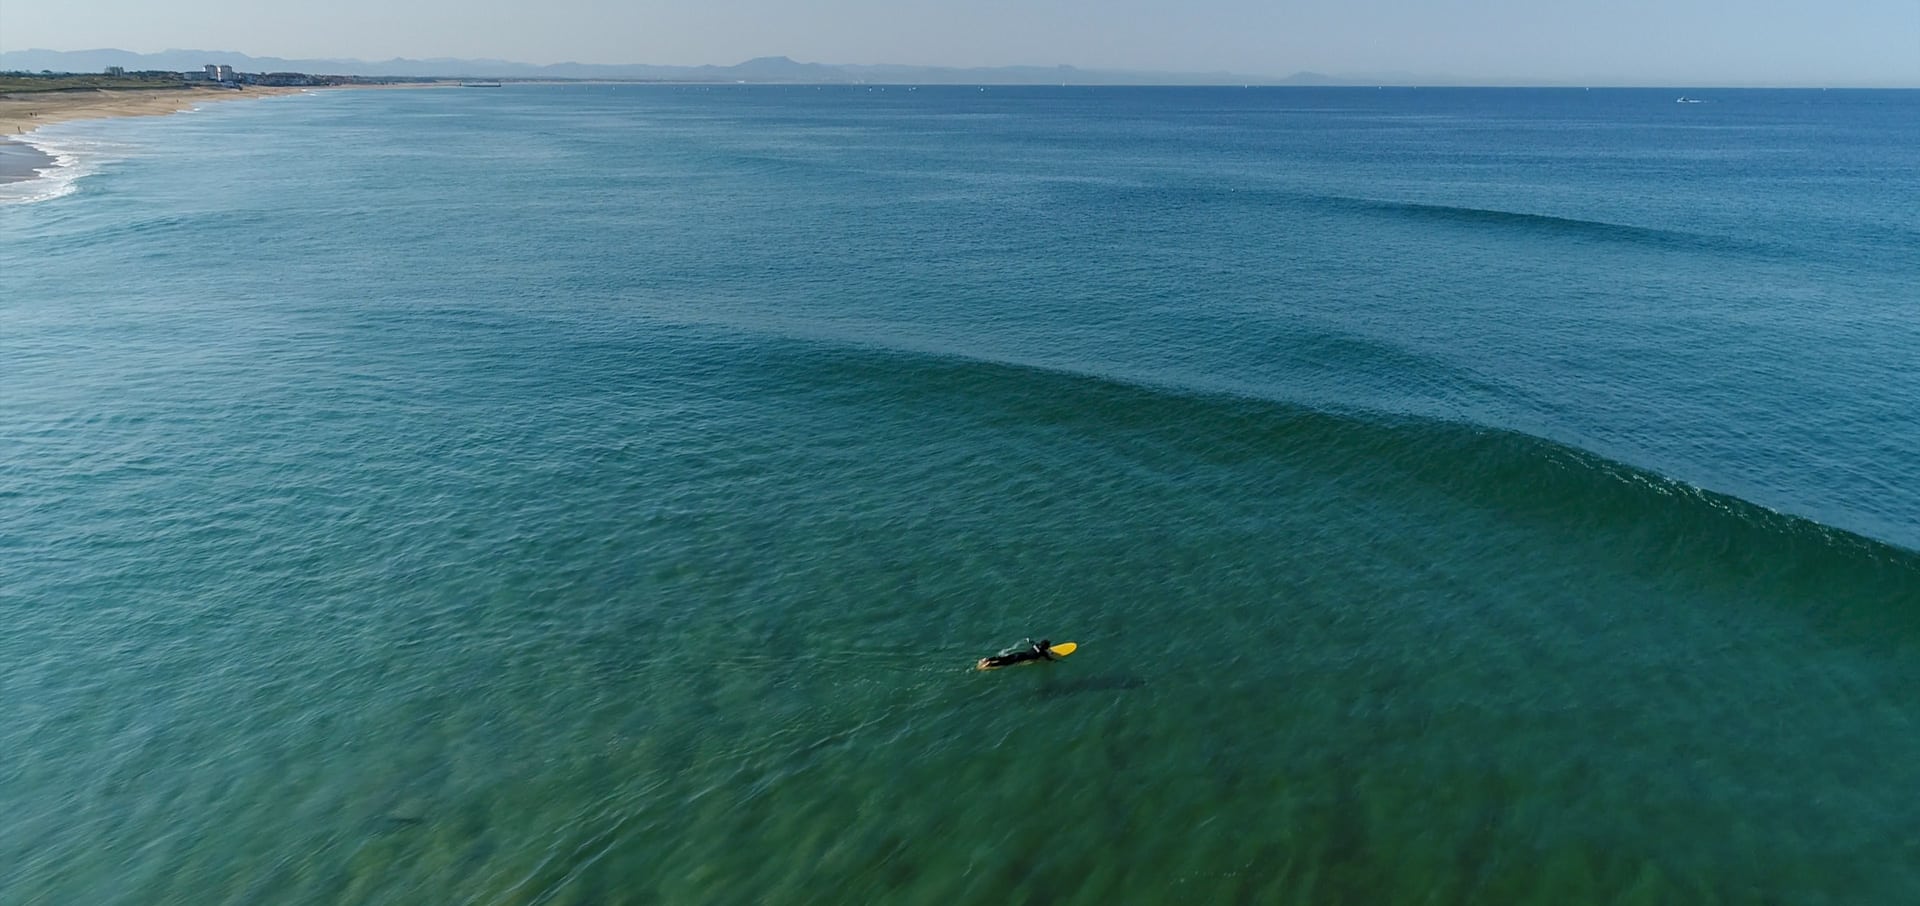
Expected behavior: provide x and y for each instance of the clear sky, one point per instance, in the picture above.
(1623, 41)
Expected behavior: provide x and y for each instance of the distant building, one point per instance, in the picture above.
(219, 73)
(116, 70)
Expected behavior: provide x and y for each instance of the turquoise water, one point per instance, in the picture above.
(598, 494)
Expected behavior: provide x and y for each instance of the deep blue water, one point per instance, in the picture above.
(598, 493)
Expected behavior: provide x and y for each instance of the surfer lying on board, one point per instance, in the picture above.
(1035, 651)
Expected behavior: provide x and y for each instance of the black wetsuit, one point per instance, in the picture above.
(1037, 652)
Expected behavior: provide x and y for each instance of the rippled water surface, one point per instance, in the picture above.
(598, 494)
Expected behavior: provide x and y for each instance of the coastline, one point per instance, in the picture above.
(23, 113)
(21, 161)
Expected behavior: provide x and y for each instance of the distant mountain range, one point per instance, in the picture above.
(763, 69)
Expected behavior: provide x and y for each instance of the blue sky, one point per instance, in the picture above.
(1624, 42)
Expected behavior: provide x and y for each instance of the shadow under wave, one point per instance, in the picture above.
(1649, 522)
(1462, 216)
(1518, 220)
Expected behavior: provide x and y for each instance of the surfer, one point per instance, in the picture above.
(1035, 651)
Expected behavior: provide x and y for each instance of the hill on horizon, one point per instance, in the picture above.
(761, 69)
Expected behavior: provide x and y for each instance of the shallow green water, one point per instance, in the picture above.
(581, 498)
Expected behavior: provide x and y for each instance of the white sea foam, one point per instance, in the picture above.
(72, 157)
(76, 151)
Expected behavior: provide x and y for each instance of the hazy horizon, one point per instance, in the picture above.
(1690, 42)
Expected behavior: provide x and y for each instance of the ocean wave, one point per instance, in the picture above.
(1656, 523)
(73, 158)
(50, 181)
(1461, 216)
(1548, 223)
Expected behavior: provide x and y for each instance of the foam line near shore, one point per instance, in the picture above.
(34, 167)
(21, 160)
(57, 164)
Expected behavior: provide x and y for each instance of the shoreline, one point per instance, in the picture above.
(21, 161)
(22, 114)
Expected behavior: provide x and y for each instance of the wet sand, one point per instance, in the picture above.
(19, 160)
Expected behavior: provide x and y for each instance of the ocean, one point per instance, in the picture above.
(594, 494)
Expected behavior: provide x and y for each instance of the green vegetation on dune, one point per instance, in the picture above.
(16, 82)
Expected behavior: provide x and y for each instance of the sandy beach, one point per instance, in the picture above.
(26, 111)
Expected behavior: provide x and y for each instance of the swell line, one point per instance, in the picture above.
(1668, 523)
(1520, 220)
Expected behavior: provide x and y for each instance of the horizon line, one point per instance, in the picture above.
(1184, 78)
